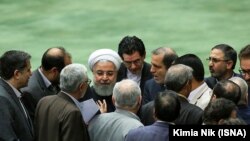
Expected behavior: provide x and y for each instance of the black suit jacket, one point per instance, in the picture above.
(35, 90)
(57, 118)
(147, 113)
(90, 93)
(211, 81)
(14, 125)
(146, 74)
(151, 90)
(190, 114)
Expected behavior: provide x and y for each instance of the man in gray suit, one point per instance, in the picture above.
(15, 123)
(58, 117)
(114, 126)
(45, 80)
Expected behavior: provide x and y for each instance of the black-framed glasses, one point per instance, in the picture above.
(244, 72)
(137, 62)
(88, 81)
(216, 60)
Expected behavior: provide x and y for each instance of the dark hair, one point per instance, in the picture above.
(129, 45)
(229, 53)
(245, 52)
(167, 106)
(195, 63)
(227, 89)
(218, 109)
(13, 60)
(56, 60)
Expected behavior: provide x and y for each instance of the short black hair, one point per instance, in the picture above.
(229, 53)
(195, 63)
(13, 60)
(131, 44)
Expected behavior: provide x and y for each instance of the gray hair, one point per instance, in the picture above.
(169, 55)
(243, 88)
(72, 76)
(178, 76)
(126, 93)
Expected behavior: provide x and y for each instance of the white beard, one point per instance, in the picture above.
(104, 90)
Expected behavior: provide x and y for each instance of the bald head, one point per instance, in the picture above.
(227, 89)
(243, 88)
(54, 57)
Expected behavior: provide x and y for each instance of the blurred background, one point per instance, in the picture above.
(82, 26)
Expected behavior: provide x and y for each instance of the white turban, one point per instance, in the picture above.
(104, 54)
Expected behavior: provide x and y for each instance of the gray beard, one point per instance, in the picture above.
(104, 90)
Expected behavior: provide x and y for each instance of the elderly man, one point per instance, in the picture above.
(166, 110)
(58, 117)
(104, 64)
(114, 126)
(201, 93)
(243, 108)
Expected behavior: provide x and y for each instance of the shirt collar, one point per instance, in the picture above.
(45, 79)
(18, 94)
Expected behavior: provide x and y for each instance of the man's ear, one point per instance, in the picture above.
(113, 100)
(82, 85)
(229, 64)
(16, 74)
(139, 100)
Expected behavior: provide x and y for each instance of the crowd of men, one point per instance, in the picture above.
(137, 100)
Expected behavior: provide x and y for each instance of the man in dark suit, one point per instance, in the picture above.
(167, 108)
(222, 61)
(178, 78)
(161, 60)
(15, 71)
(59, 117)
(132, 52)
(44, 80)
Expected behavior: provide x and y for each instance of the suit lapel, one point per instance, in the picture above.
(16, 100)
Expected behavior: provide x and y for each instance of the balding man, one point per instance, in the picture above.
(243, 108)
(59, 117)
(45, 80)
(114, 126)
(161, 60)
(179, 79)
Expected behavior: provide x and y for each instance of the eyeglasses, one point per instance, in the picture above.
(88, 81)
(216, 60)
(129, 63)
(244, 72)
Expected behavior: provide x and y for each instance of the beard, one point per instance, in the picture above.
(104, 90)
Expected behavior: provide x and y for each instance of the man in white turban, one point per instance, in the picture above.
(104, 64)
